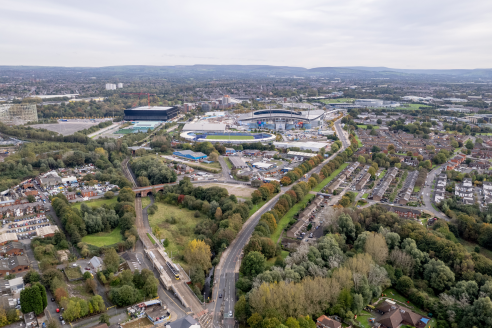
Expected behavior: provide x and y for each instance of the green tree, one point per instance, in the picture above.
(111, 260)
(346, 226)
(469, 144)
(404, 284)
(104, 318)
(253, 264)
(438, 274)
(255, 320)
(241, 309)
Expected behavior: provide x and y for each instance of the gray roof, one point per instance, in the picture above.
(151, 108)
(237, 161)
(285, 113)
(185, 322)
(96, 262)
(12, 262)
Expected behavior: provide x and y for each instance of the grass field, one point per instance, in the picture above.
(151, 239)
(73, 272)
(229, 137)
(97, 202)
(358, 141)
(228, 163)
(363, 126)
(257, 207)
(145, 201)
(365, 195)
(179, 233)
(331, 177)
(416, 189)
(413, 107)
(382, 174)
(470, 247)
(284, 221)
(104, 238)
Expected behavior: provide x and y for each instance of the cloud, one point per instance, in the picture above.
(309, 33)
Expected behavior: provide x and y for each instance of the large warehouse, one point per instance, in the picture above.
(155, 113)
(282, 119)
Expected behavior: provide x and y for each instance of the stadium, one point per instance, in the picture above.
(155, 113)
(282, 119)
(226, 137)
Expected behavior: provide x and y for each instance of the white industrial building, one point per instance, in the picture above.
(110, 86)
(204, 127)
(304, 145)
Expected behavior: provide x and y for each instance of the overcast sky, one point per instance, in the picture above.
(307, 33)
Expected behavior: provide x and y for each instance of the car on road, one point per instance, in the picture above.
(230, 313)
(61, 318)
(63, 322)
(58, 311)
(52, 299)
(220, 295)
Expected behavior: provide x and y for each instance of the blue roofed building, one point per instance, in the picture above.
(190, 154)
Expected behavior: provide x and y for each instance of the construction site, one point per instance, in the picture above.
(14, 114)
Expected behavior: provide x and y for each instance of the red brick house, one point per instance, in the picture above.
(71, 195)
(88, 193)
(326, 322)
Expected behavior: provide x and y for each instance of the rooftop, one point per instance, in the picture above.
(150, 108)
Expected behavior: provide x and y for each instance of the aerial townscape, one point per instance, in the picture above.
(245, 165)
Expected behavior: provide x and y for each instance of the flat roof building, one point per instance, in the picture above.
(282, 119)
(190, 154)
(237, 162)
(155, 113)
(303, 145)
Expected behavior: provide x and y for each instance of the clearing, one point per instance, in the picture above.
(358, 141)
(232, 137)
(101, 239)
(97, 202)
(73, 272)
(239, 190)
(178, 233)
(470, 247)
(145, 202)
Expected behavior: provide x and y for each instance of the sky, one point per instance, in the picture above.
(427, 34)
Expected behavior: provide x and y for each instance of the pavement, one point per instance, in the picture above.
(426, 192)
(226, 272)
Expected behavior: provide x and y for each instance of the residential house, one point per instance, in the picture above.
(326, 322)
(71, 195)
(89, 193)
(403, 212)
(465, 191)
(394, 315)
(96, 263)
(378, 192)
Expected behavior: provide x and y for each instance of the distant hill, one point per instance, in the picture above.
(218, 71)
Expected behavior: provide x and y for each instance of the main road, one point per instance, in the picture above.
(226, 271)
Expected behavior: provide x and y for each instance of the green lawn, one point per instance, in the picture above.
(232, 137)
(178, 233)
(365, 195)
(73, 272)
(358, 140)
(363, 318)
(331, 177)
(104, 238)
(393, 294)
(413, 107)
(97, 202)
(363, 126)
(228, 163)
(470, 247)
(145, 201)
(257, 207)
(382, 174)
(151, 239)
(416, 189)
(284, 221)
